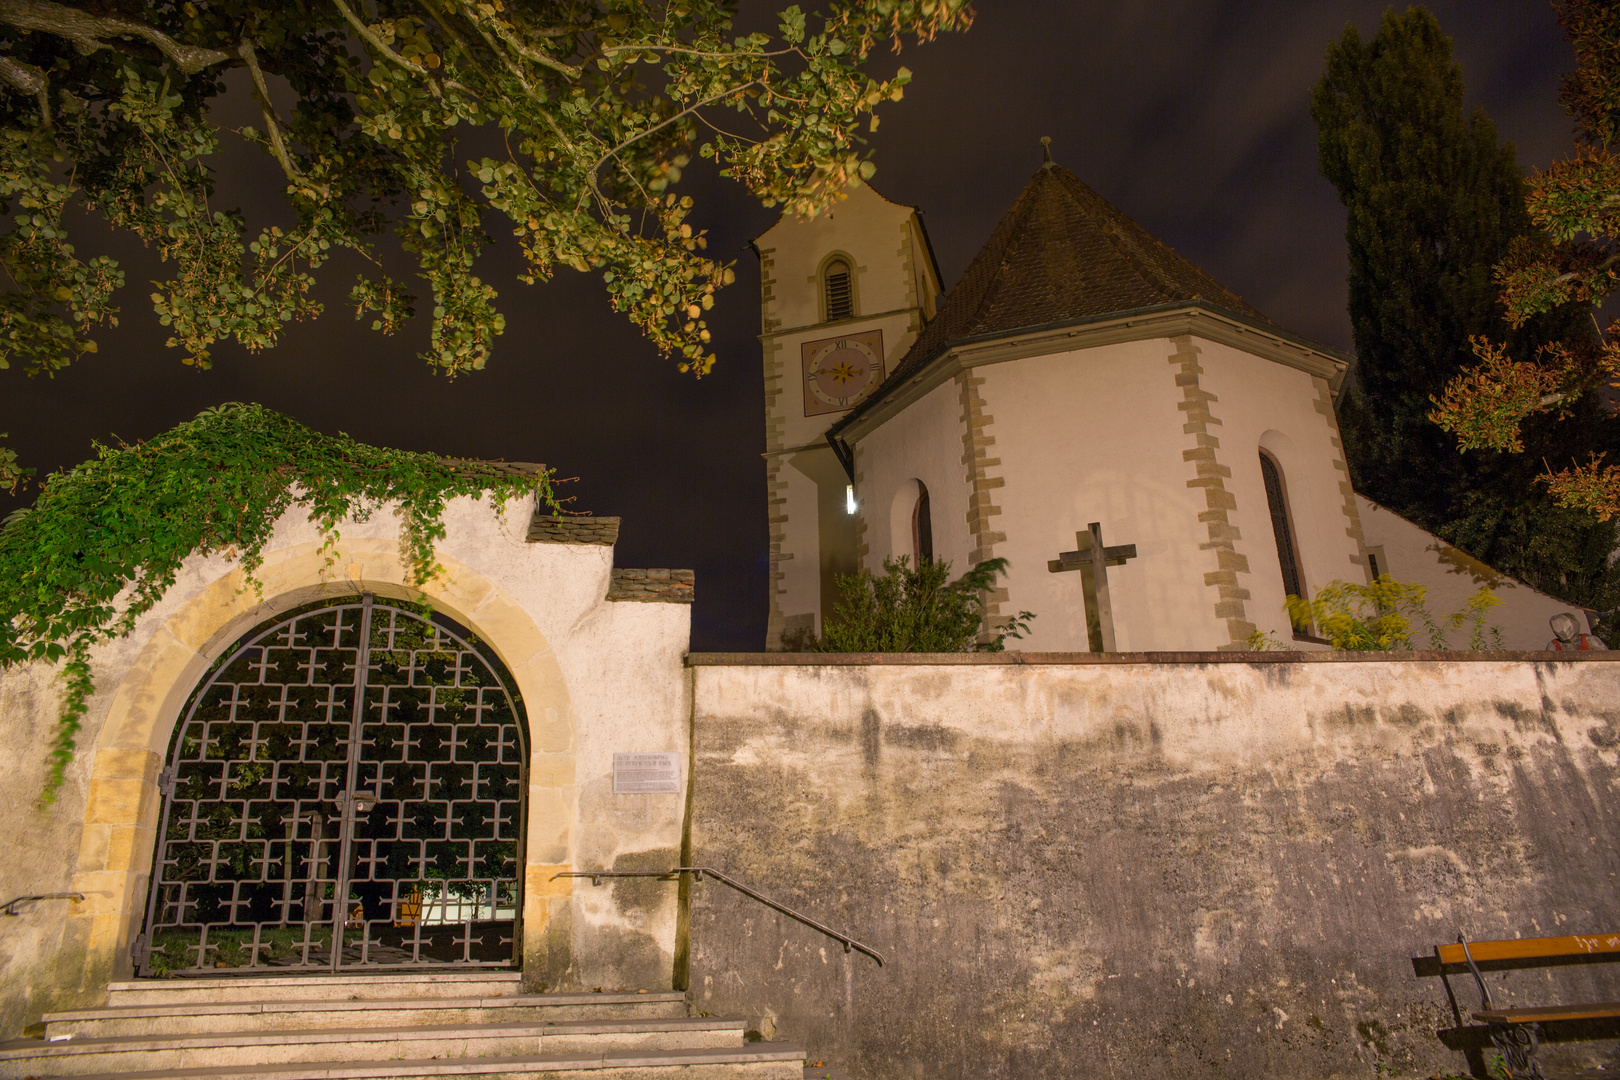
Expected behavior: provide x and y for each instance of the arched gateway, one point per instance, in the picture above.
(344, 791)
(487, 754)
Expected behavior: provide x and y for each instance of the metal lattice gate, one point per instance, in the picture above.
(345, 790)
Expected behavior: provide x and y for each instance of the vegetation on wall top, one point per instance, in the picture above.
(918, 609)
(1385, 615)
(104, 541)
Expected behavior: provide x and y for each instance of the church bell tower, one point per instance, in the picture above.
(842, 297)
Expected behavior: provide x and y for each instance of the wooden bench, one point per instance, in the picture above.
(1517, 1032)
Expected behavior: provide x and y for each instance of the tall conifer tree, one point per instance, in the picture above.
(1434, 201)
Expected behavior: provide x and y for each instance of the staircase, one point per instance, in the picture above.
(383, 1027)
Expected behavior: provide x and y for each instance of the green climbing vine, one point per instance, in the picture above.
(104, 541)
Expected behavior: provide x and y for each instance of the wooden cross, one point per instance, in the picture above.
(1096, 585)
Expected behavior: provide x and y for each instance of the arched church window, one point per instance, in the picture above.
(1282, 528)
(839, 291)
(922, 527)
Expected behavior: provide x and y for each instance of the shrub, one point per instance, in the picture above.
(917, 609)
(1381, 616)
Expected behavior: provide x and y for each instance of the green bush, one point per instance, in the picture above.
(1381, 616)
(917, 609)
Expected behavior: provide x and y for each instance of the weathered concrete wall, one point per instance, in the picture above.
(595, 676)
(1193, 869)
(35, 843)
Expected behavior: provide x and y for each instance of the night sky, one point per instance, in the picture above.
(1190, 115)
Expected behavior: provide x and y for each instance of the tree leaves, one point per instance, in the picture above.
(12, 475)
(1385, 615)
(1436, 210)
(1574, 259)
(918, 609)
(598, 103)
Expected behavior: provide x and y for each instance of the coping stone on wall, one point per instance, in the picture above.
(652, 586)
(766, 659)
(550, 529)
(503, 468)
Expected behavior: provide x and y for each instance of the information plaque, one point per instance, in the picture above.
(646, 774)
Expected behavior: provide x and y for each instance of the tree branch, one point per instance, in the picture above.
(30, 80)
(1572, 275)
(455, 36)
(377, 43)
(611, 50)
(251, 59)
(689, 110)
(89, 32)
(566, 70)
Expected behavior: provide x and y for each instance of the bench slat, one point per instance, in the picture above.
(1531, 948)
(1596, 1011)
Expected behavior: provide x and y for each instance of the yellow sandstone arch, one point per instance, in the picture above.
(123, 804)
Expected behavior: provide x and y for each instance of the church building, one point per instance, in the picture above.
(1083, 389)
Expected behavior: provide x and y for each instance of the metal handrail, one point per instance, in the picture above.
(697, 873)
(10, 908)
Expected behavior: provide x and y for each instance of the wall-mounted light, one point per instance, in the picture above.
(849, 498)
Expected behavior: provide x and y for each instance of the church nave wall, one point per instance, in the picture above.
(1095, 435)
(923, 442)
(1267, 406)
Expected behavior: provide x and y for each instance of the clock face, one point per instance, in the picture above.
(839, 372)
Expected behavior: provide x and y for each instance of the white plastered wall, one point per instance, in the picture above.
(1266, 405)
(625, 669)
(1408, 553)
(1095, 435)
(923, 442)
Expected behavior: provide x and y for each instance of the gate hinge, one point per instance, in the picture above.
(140, 952)
(166, 781)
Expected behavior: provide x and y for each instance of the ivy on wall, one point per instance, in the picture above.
(103, 542)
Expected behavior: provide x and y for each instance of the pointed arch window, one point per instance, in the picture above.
(922, 527)
(838, 291)
(1282, 528)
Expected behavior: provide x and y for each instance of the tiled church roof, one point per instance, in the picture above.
(1063, 253)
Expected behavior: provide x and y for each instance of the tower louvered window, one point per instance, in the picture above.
(840, 293)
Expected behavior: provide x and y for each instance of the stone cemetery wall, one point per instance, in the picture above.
(1199, 868)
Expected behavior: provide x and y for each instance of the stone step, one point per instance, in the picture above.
(382, 984)
(756, 1061)
(79, 1056)
(210, 1017)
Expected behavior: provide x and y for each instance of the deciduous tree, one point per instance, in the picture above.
(1434, 201)
(1572, 259)
(596, 107)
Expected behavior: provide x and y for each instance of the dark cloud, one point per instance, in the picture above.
(1191, 115)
